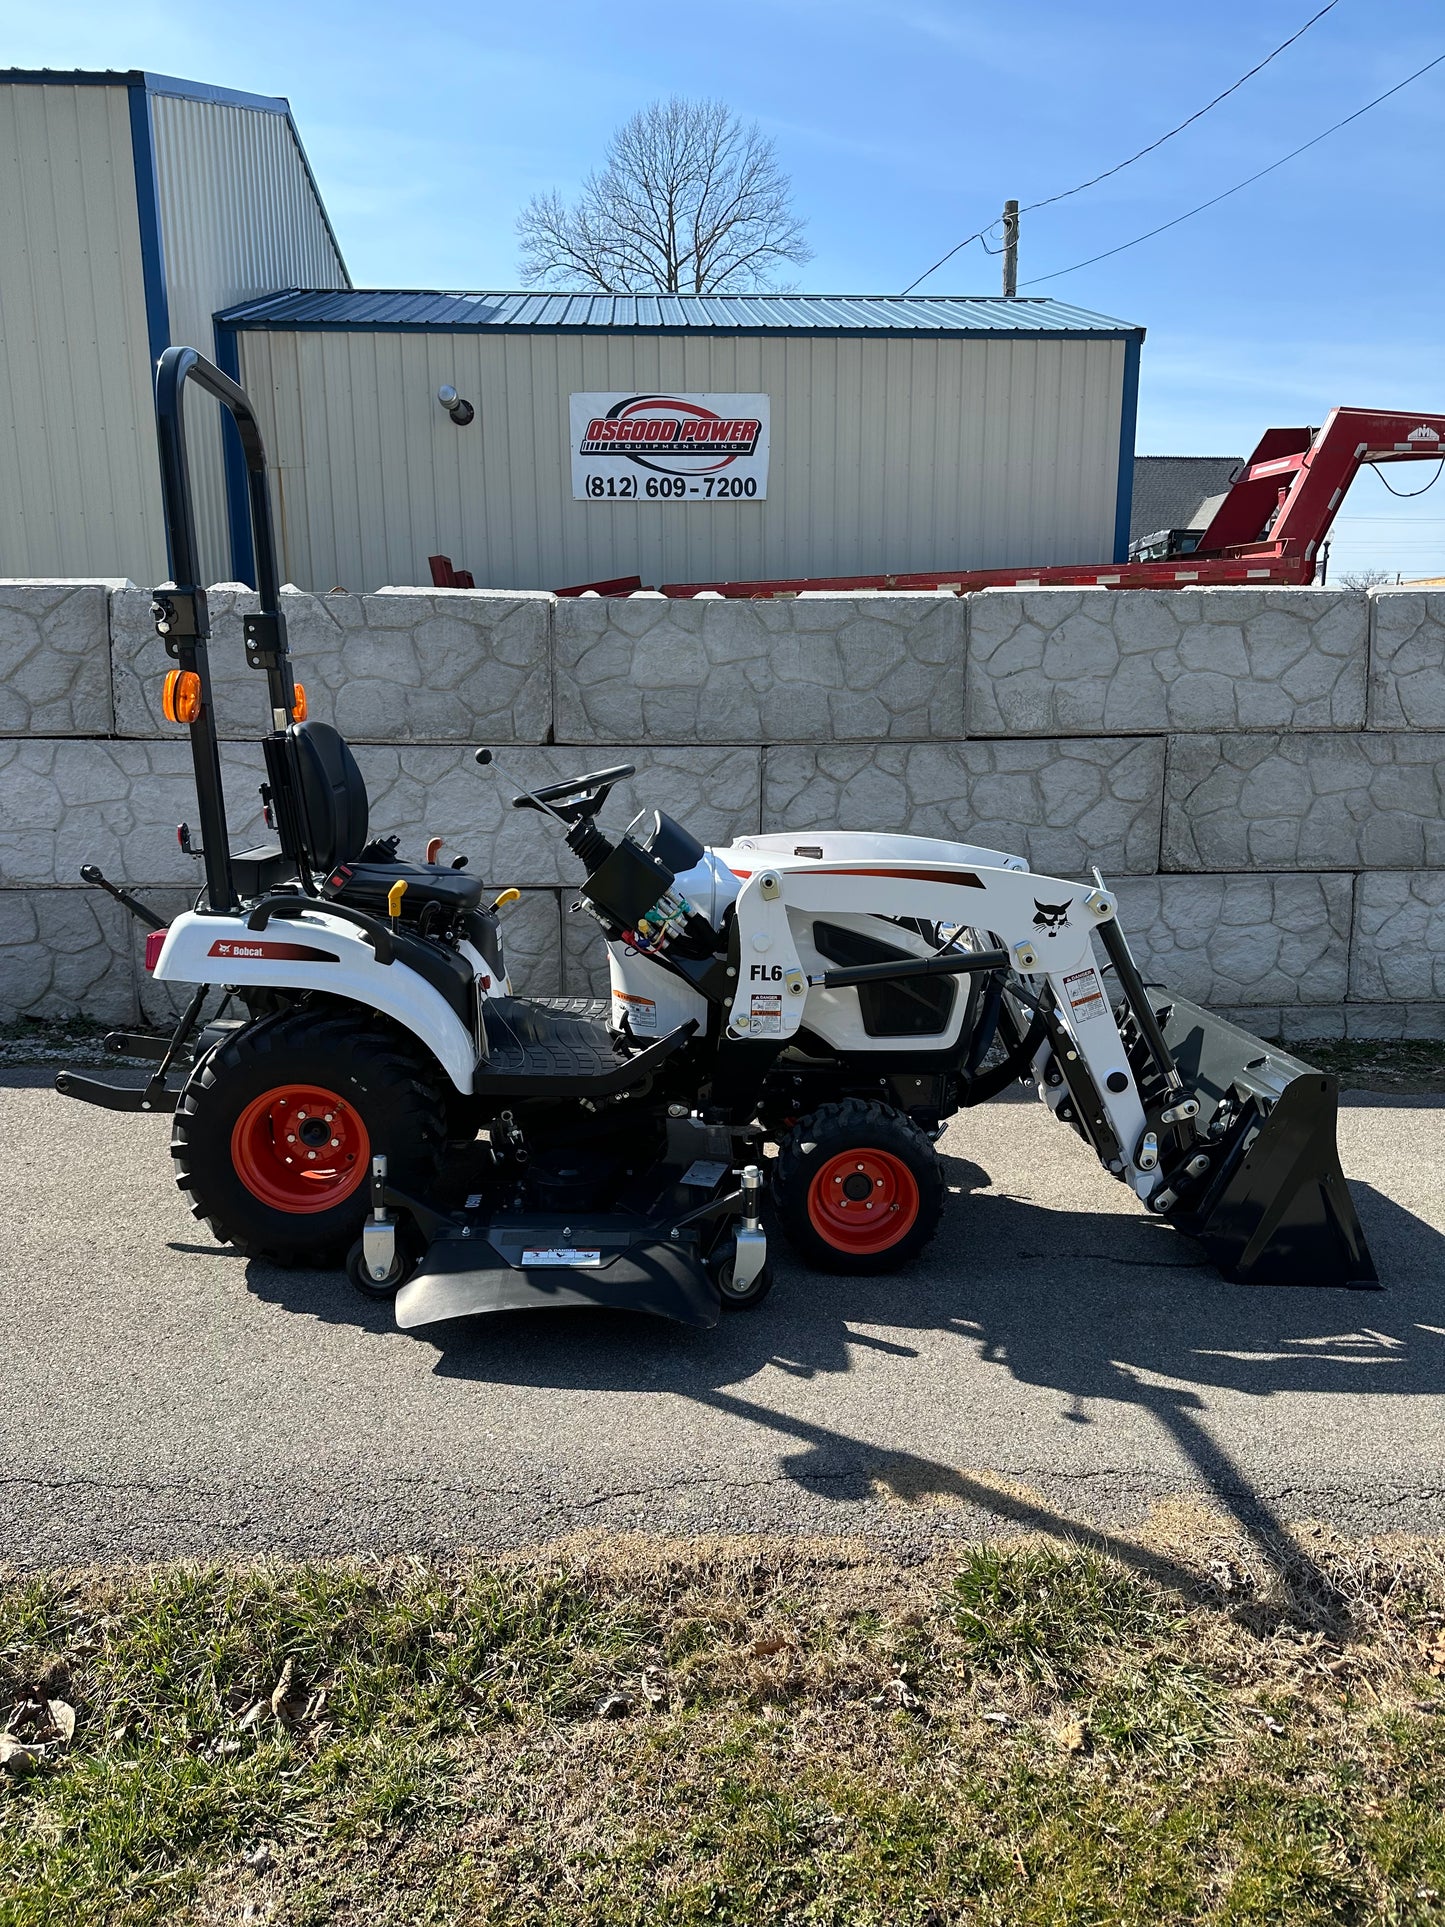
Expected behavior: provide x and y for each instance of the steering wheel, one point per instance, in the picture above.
(575, 797)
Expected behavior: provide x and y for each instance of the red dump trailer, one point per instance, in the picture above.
(1269, 527)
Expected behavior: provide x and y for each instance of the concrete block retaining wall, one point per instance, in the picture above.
(1261, 772)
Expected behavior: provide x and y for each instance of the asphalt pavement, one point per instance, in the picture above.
(1056, 1360)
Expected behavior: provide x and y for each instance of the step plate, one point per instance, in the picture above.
(632, 1271)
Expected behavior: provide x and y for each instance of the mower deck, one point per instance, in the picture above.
(612, 1261)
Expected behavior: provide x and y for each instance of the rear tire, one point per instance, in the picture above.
(858, 1188)
(274, 1132)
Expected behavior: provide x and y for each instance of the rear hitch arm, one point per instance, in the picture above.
(89, 873)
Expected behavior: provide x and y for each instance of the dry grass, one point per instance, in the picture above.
(737, 1731)
(1402, 1067)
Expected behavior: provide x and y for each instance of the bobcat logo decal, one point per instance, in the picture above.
(1050, 917)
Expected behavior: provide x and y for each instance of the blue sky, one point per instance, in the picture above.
(904, 124)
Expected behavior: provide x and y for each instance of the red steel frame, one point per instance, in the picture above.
(1268, 528)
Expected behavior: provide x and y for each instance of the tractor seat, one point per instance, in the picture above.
(334, 815)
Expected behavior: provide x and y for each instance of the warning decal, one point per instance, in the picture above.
(641, 1012)
(767, 1014)
(1086, 995)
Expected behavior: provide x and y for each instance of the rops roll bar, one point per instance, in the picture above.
(183, 621)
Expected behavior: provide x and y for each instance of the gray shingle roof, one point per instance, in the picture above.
(1169, 490)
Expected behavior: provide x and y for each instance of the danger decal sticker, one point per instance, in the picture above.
(766, 1014)
(1086, 995)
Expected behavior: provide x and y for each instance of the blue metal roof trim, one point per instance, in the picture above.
(145, 84)
(153, 84)
(387, 309)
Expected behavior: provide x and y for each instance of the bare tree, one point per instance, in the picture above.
(689, 200)
(1365, 578)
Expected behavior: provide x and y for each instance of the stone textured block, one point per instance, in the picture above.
(1305, 1024)
(54, 660)
(1062, 805)
(1306, 802)
(115, 804)
(421, 792)
(1407, 659)
(532, 944)
(464, 667)
(584, 954)
(1045, 662)
(810, 668)
(1399, 947)
(1275, 941)
(65, 953)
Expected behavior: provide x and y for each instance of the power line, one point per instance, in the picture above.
(1119, 167)
(1109, 171)
(1239, 186)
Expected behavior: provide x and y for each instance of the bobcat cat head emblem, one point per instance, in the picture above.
(1050, 917)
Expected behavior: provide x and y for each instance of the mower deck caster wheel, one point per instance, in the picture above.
(753, 1293)
(385, 1289)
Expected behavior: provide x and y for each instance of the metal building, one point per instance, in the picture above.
(132, 207)
(686, 438)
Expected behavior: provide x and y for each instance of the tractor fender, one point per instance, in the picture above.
(317, 952)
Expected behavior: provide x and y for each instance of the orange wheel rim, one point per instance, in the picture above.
(300, 1148)
(863, 1201)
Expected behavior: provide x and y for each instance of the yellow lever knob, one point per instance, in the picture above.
(507, 896)
(393, 898)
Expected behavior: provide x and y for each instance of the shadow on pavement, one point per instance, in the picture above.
(1097, 1307)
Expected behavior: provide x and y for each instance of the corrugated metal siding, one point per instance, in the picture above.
(79, 493)
(895, 453)
(239, 218)
(612, 313)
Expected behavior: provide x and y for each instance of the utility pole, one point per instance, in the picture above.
(1010, 248)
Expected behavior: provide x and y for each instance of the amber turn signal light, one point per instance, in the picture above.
(181, 697)
(298, 708)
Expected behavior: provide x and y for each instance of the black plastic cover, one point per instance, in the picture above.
(627, 882)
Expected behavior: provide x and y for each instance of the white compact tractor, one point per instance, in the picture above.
(372, 1091)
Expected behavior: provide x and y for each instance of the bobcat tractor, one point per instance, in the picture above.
(793, 1018)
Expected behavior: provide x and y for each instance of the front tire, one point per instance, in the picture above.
(274, 1133)
(858, 1188)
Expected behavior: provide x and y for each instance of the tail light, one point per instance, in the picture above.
(155, 943)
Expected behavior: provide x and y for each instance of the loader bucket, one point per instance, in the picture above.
(1275, 1209)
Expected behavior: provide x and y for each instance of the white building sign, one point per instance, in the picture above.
(669, 448)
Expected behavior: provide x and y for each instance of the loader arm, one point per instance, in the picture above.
(1229, 1139)
(1044, 927)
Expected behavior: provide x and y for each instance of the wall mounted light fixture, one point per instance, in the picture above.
(460, 411)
